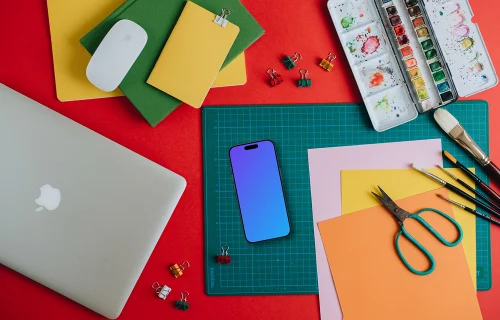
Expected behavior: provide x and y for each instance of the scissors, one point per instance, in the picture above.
(401, 215)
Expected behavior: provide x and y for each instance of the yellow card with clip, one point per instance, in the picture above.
(193, 55)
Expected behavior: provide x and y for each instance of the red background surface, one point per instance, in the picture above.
(304, 26)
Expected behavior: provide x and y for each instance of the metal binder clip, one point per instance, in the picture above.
(304, 81)
(291, 62)
(327, 63)
(182, 303)
(224, 258)
(275, 77)
(221, 20)
(162, 291)
(178, 270)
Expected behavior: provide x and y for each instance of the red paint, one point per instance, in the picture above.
(370, 45)
(399, 30)
(376, 80)
(176, 143)
(407, 51)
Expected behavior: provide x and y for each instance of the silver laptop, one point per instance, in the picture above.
(79, 213)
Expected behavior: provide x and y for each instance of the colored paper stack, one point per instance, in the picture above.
(70, 22)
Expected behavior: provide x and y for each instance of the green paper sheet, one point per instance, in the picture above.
(158, 18)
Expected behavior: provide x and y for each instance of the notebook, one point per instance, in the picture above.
(193, 55)
(158, 18)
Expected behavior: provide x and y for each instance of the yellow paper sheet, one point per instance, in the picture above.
(193, 55)
(71, 20)
(402, 183)
(234, 74)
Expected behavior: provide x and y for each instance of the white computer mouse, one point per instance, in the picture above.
(116, 54)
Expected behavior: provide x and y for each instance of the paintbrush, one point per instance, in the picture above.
(458, 191)
(471, 189)
(452, 127)
(479, 214)
(490, 192)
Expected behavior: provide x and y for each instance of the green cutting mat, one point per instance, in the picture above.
(288, 265)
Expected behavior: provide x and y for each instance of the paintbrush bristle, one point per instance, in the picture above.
(449, 156)
(445, 120)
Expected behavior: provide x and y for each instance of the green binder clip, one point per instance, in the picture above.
(304, 80)
(291, 62)
(182, 304)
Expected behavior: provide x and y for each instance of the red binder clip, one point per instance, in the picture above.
(224, 258)
(275, 77)
(178, 270)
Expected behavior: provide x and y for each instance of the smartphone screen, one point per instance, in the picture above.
(259, 190)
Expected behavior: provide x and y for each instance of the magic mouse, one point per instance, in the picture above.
(116, 54)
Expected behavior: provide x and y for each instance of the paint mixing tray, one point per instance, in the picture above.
(411, 56)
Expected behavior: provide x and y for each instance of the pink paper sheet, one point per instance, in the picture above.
(324, 167)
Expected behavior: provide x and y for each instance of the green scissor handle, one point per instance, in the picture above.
(426, 225)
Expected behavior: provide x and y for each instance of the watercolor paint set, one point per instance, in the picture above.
(411, 56)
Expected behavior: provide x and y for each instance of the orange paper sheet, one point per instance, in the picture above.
(372, 282)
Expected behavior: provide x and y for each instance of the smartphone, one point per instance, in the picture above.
(257, 179)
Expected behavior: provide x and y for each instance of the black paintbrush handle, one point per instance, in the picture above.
(493, 172)
(479, 214)
(471, 199)
(479, 195)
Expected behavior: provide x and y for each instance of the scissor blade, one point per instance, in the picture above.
(399, 213)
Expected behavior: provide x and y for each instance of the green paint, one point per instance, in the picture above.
(438, 76)
(352, 46)
(430, 54)
(435, 66)
(427, 44)
(347, 22)
(383, 103)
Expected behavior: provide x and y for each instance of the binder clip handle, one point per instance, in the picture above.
(224, 250)
(184, 295)
(185, 264)
(222, 19)
(331, 56)
(303, 74)
(296, 57)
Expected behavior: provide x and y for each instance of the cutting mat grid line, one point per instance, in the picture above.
(288, 265)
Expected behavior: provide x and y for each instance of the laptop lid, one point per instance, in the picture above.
(79, 213)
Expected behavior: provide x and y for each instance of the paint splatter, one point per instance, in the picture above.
(376, 79)
(382, 103)
(370, 45)
(478, 67)
(347, 22)
(352, 46)
(461, 31)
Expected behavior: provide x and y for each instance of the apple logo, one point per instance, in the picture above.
(50, 198)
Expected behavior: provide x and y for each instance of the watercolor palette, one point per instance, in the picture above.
(401, 65)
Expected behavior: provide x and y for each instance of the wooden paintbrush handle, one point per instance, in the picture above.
(490, 192)
(493, 172)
